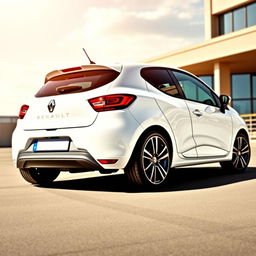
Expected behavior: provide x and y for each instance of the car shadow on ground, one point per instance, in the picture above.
(180, 179)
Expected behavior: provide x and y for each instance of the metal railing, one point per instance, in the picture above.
(250, 120)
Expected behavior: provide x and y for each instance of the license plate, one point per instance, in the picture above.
(51, 145)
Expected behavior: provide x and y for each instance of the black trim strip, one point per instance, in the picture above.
(71, 159)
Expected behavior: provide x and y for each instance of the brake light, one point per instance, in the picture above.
(23, 111)
(111, 102)
(71, 69)
(107, 161)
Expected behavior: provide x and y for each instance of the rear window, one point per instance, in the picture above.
(77, 82)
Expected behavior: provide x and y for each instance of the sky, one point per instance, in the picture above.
(38, 36)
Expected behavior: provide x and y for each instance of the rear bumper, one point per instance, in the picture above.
(72, 159)
(113, 135)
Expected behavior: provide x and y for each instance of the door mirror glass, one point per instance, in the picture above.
(224, 100)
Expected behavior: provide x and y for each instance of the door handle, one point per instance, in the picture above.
(197, 112)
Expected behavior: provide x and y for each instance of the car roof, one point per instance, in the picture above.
(116, 66)
(151, 65)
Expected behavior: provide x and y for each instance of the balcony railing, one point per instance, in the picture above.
(250, 120)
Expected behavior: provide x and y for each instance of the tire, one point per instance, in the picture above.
(39, 175)
(150, 164)
(241, 155)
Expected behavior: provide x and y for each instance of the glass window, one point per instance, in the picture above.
(226, 23)
(239, 18)
(254, 106)
(241, 86)
(221, 24)
(190, 90)
(244, 93)
(208, 80)
(251, 14)
(194, 90)
(161, 79)
(254, 86)
(77, 82)
(242, 106)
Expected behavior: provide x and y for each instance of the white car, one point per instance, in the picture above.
(145, 119)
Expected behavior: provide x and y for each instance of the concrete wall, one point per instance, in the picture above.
(7, 125)
(219, 6)
(217, 48)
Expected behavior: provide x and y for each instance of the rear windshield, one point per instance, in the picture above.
(77, 82)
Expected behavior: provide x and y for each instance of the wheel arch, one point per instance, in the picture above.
(243, 131)
(232, 164)
(153, 128)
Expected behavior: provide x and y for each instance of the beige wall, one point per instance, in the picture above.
(213, 50)
(208, 19)
(219, 6)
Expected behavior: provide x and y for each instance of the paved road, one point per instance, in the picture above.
(202, 211)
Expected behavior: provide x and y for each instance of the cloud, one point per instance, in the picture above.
(40, 36)
(136, 31)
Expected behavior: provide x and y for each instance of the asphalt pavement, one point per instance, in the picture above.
(203, 210)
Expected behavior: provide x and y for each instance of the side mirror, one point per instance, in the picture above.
(224, 101)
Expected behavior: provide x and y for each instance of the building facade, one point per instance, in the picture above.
(226, 60)
(7, 125)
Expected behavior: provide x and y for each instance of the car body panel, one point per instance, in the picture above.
(212, 129)
(177, 114)
(115, 134)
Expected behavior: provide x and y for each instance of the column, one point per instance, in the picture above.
(210, 21)
(222, 83)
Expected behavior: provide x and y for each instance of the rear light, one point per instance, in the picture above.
(23, 111)
(107, 161)
(111, 102)
(71, 69)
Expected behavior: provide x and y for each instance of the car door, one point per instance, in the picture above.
(170, 100)
(212, 129)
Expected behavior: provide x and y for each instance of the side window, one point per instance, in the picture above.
(161, 79)
(195, 90)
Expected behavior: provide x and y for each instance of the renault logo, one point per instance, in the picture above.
(51, 106)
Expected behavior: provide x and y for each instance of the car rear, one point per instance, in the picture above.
(70, 124)
(63, 100)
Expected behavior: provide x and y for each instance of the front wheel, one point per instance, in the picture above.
(151, 161)
(241, 155)
(39, 175)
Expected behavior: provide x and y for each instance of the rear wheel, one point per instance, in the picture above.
(39, 175)
(150, 164)
(241, 155)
